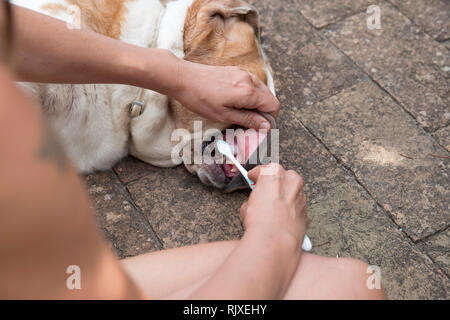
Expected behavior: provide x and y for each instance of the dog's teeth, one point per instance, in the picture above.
(234, 170)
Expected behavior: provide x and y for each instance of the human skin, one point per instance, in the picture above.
(223, 94)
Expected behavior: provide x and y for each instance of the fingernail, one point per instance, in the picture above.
(264, 126)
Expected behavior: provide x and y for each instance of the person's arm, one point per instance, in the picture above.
(46, 223)
(264, 262)
(45, 50)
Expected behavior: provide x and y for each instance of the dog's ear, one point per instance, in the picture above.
(250, 15)
(241, 10)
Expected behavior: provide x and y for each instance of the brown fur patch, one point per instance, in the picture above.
(103, 16)
(217, 32)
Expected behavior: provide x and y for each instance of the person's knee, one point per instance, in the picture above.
(364, 280)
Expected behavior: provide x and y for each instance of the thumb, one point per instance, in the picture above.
(247, 119)
(243, 211)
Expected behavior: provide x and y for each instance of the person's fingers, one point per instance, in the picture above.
(243, 211)
(268, 101)
(301, 208)
(293, 186)
(252, 93)
(257, 82)
(271, 169)
(260, 99)
(246, 119)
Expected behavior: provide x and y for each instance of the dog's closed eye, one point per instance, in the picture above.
(217, 15)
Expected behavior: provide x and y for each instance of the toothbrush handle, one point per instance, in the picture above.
(245, 174)
(307, 245)
(250, 183)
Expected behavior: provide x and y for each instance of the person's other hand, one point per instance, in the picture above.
(226, 94)
(277, 206)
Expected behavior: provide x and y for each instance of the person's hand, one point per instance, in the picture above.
(277, 206)
(226, 94)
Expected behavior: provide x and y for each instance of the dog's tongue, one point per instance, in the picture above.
(244, 144)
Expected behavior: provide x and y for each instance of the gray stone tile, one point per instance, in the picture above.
(307, 67)
(433, 16)
(438, 248)
(184, 212)
(443, 137)
(131, 169)
(411, 66)
(346, 223)
(299, 151)
(117, 217)
(320, 13)
(404, 169)
(447, 44)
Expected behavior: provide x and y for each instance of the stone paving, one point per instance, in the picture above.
(365, 119)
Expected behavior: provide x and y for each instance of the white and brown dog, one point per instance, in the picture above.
(100, 124)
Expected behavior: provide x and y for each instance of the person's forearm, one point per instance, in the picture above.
(259, 268)
(45, 50)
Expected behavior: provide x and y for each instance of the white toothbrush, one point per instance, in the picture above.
(225, 149)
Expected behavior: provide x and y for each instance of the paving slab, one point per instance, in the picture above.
(320, 13)
(131, 169)
(437, 248)
(407, 63)
(447, 44)
(301, 152)
(184, 212)
(117, 216)
(403, 168)
(433, 16)
(307, 67)
(443, 137)
(345, 222)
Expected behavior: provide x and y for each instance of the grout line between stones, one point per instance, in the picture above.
(416, 24)
(139, 214)
(379, 86)
(443, 229)
(403, 107)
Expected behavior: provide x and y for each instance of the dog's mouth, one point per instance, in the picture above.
(250, 149)
(243, 144)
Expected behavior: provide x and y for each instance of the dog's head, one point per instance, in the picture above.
(221, 33)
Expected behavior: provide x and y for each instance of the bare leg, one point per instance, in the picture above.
(177, 273)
